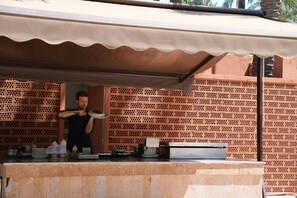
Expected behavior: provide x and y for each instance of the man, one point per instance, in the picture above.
(80, 124)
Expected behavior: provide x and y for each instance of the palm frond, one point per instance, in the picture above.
(288, 10)
(252, 1)
(200, 2)
(254, 6)
(228, 3)
(209, 3)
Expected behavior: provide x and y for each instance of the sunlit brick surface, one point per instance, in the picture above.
(217, 110)
(28, 113)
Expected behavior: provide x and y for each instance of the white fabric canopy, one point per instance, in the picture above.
(161, 42)
(113, 25)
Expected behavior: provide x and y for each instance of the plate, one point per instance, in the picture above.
(118, 150)
(104, 154)
(97, 114)
(39, 156)
(25, 154)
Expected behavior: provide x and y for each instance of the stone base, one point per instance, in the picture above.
(204, 178)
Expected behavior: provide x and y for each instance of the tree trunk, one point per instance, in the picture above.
(272, 11)
(241, 4)
(271, 8)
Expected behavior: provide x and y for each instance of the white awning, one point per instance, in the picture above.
(95, 39)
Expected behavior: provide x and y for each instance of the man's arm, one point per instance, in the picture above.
(89, 126)
(68, 113)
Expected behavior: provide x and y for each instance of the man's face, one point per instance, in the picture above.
(82, 102)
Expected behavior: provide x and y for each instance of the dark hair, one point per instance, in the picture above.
(81, 93)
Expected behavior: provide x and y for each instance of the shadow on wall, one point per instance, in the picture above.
(28, 113)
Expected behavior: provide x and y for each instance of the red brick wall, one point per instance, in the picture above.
(28, 113)
(217, 110)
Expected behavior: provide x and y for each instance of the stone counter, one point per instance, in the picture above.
(191, 178)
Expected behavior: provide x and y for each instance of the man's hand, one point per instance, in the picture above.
(65, 114)
(80, 112)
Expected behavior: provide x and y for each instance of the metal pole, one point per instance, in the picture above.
(260, 65)
(260, 69)
(103, 121)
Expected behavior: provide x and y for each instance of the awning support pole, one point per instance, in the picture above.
(206, 60)
(260, 65)
(260, 71)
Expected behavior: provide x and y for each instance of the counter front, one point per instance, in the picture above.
(132, 178)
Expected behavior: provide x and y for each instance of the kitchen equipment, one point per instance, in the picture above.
(150, 147)
(120, 153)
(83, 156)
(11, 152)
(197, 150)
(163, 149)
(39, 153)
(86, 150)
(104, 155)
(114, 151)
(26, 148)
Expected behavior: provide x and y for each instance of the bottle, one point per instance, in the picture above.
(63, 143)
(74, 149)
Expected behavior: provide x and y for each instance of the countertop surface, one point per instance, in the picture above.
(28, 159)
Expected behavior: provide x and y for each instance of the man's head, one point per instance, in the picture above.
(82, 100)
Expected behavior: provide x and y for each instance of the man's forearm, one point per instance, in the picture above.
(89, 126)
(65, 114)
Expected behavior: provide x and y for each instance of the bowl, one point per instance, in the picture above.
(56, 149)
(39, 153)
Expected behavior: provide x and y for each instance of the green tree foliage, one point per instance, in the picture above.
(241, 4)
(288, 10)
(200, 2)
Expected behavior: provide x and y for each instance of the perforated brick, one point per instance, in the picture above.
(22, 114)
(216, 110)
